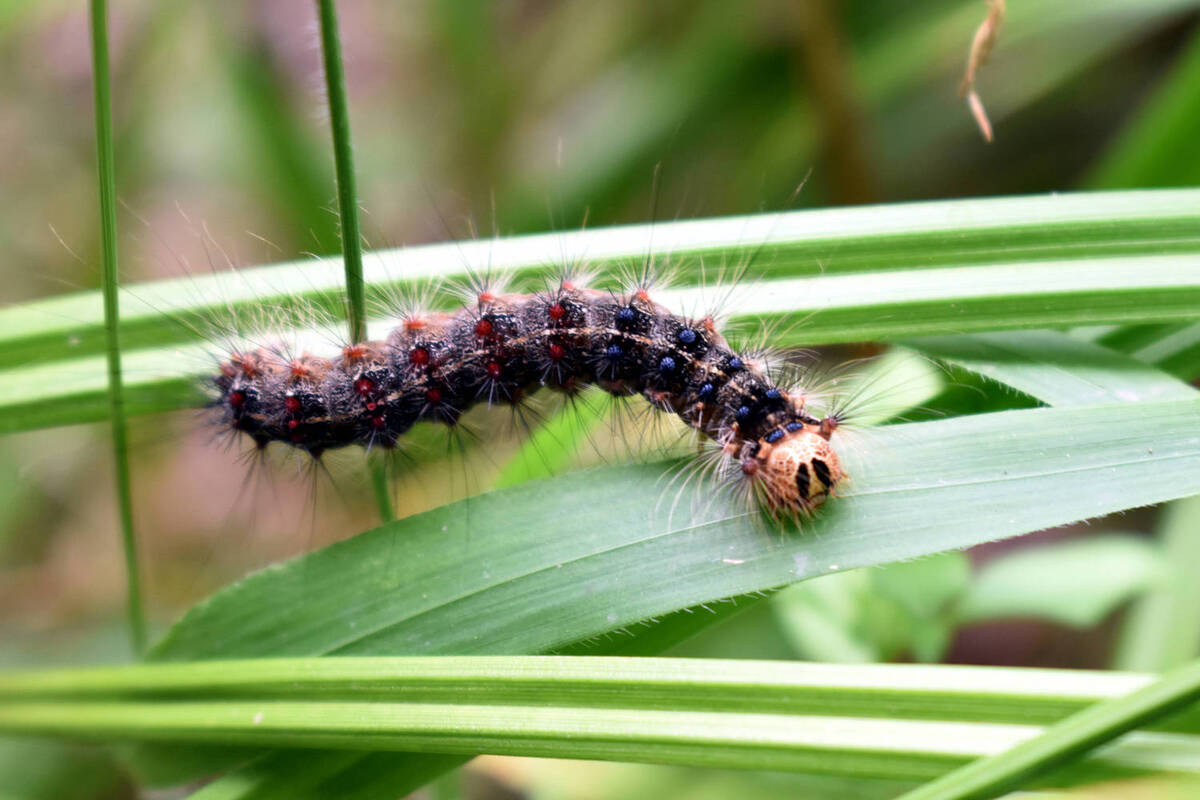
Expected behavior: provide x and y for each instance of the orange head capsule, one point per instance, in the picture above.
(798, 471)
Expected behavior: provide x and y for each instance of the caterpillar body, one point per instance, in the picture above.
(502, 346)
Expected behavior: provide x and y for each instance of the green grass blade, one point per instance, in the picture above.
(538, 580)
(886, 721)
(339, 119)
(1065, 741)
(813, 310)
(832, 242)
(894, 691)
(369, 594)
(112, 340)
(824, 745)
(1056, 368)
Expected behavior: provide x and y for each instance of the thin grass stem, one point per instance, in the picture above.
(339, 119)
(108, 228)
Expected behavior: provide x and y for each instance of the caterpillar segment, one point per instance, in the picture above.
(501, 347)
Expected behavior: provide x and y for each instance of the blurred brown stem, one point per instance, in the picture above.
(827, 69)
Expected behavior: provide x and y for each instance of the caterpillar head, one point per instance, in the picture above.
(797, 472)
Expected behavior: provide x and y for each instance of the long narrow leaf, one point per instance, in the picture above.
(834, 308)
(508, 572)
(916, 236)
(905, 721)
(892, 691)
(823, 745)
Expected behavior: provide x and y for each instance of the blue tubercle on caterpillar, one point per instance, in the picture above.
(500, 347)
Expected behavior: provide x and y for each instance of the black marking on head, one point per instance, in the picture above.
(821, 470)
(802, 481)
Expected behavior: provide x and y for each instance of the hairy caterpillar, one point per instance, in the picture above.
(502, 346)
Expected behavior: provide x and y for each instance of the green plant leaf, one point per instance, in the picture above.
(537, 580)
(1076, 583)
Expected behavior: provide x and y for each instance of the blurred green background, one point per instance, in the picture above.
(472, 118)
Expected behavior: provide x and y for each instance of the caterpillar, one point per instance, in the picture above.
(500, 347)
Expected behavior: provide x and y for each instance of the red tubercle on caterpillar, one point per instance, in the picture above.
(564, 338)
(247, 365)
